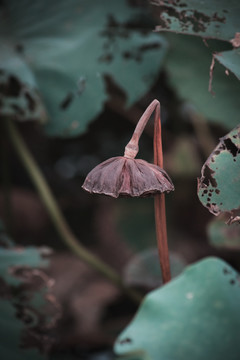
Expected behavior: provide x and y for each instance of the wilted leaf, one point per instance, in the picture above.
(194, 316)
(64, 50)
(231, 60)
(216, 19)
(144, 269)
(221, 234)
(188, 64)
(219, 185)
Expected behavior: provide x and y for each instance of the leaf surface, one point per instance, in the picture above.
(188, 63)
(218, 19)
(194, 315)
(60, 53)
(219, 185)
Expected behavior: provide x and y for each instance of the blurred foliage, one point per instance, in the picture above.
(231, 60)
(221, 235)
(62, 52)
(23, 299)
(144, 270)
(188, 63)
(183, 159)
(194, 315)
(219, 186)
(135, 222)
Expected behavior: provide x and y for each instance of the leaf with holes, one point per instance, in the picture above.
(54, 65)
(27, 307)
(221, 235)
(195, 314)
(188, 63)
(215, 19)
(219, 185)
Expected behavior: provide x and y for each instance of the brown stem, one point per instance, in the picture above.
(159, 203)
(131, 151)
(132, 148)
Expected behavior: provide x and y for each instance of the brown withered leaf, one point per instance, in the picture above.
(122, 176)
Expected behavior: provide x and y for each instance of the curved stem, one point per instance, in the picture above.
(131, 151)
(132, 148)
(57, 217)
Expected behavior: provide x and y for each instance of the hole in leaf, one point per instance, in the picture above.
(226, 271)
(208, 177)
(18, 109)
(126, 341)
(231, 147)
(30, 101)
(66, 101)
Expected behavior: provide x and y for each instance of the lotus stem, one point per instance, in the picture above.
(131, 151)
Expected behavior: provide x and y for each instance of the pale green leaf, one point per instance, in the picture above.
(219, 185)
(195, 316)
(188, 64)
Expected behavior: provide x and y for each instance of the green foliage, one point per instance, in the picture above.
(144, 269)
(219, 185)
(135, 222)
(222, 235)
(188, 65)
(194, 316)
(231, 60)
(216, 19)
(64, 51)
(20, 301)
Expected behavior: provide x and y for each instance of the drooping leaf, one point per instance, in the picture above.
(188, 64)
(62, 52)
(23, 301)
(144, 268)
(219, 185)
(194, 316)
(231, 60)
(215, 19)
(222, 235)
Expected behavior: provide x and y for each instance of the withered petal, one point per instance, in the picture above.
(121, 176)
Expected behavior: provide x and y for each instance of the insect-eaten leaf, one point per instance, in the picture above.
(60, 54)
(219, 185)
(29, 310)
(195, 314)
(215, 19)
